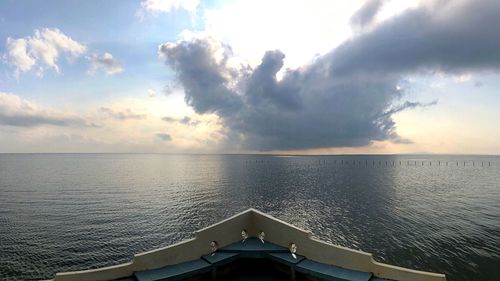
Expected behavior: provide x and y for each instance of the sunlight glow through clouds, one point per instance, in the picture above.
(300, 29)
(144, 131)
(391, 8)
(127, 110)
(131, 122)
(305, 29)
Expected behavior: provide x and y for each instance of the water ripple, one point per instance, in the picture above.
(66, 212)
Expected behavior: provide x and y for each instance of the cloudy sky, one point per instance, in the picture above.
(322, 76)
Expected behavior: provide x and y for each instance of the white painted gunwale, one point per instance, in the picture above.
(228, 231)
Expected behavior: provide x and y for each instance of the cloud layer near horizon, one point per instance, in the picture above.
(346, 97)
(18, 112)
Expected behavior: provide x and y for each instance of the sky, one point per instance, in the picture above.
(284, 77)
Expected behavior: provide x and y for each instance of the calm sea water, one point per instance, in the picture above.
(63, 212)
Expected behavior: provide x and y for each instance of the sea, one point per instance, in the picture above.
(66, 212)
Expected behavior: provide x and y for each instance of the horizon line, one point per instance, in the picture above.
(261, 154)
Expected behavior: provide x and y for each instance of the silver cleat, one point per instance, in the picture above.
(261, 236)
(213, 248)
(293, 250)
(244, 235)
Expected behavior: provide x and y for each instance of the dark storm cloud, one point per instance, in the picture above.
(263, 88)
(205, 79)
(305, 109)
(164, 136)
(346, 97)
(366, 14)
(449, 36)
(122, 115)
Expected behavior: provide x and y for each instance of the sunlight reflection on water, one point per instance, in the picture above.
(62, 212)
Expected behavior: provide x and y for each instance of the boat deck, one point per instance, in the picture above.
(252, 260)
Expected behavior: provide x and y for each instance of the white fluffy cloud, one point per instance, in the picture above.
(18, 54)
(41, 51)
(165, 6)
(106, 62)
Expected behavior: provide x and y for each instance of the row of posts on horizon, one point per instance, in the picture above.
(373, 163)
(408, 163)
